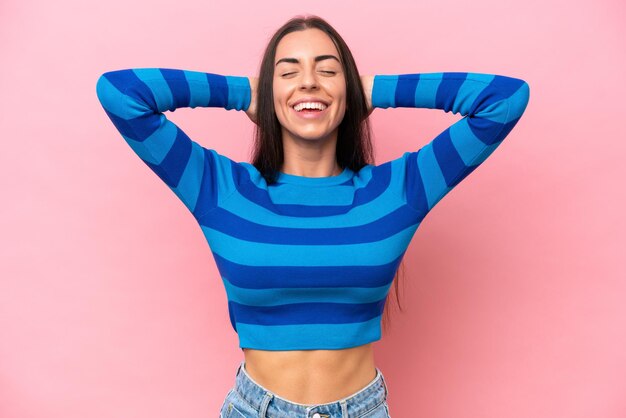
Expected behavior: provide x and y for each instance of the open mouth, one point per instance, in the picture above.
(310, 109)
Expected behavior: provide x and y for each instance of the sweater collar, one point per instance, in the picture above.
(346, 174)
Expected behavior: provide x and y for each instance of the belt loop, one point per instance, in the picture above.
(239, 369)
(384, 383)
(344, 408)
(265, 404)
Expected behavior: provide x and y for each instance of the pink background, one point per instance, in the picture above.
(111, 304)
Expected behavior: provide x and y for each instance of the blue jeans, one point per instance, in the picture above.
(248, 399)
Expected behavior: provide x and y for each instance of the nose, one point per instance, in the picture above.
(308, 80)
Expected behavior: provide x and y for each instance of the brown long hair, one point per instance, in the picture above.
(354, 146)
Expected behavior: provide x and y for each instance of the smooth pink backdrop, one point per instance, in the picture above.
(110, 301)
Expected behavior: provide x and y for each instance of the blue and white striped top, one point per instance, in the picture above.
(307, 262)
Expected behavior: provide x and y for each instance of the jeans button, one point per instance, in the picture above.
(316, 415)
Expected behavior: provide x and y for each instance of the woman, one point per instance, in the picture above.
(309, 236)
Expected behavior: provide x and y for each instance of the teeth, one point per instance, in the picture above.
(309, 105)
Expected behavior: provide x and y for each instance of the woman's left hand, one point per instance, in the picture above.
(368, 83)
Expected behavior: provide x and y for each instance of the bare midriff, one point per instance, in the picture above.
(312, 376)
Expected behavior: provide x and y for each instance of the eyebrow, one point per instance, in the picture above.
(317, 59)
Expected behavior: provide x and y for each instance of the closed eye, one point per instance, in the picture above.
(327, 72)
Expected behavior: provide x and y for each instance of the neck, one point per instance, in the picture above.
(310, 157)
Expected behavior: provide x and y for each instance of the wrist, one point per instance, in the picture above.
(383, 90)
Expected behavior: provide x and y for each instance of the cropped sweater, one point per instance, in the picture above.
(307, 262)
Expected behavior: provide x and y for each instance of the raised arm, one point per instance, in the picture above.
(491, 106)
(135, 99)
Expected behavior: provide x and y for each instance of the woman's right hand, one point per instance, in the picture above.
(251, 111)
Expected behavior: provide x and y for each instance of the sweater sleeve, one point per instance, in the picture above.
(491, 105)
(135, 99)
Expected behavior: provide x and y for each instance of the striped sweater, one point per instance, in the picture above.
(307, 262)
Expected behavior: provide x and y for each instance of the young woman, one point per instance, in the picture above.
(309, 236)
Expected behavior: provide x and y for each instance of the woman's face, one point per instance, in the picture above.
(308, 68)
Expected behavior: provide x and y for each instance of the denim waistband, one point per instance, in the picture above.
(269, 404)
